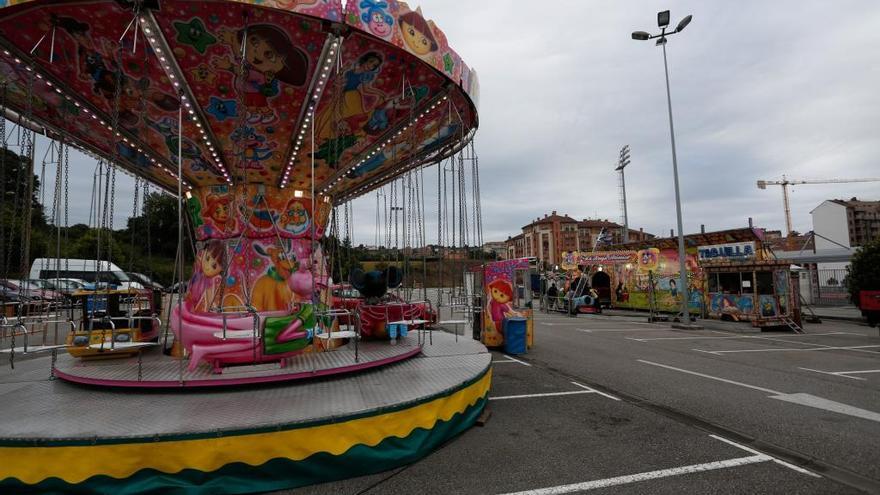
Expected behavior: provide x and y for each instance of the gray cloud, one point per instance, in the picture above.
(759, 90)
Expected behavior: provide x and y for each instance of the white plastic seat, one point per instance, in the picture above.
(122, 346)
(32, 349)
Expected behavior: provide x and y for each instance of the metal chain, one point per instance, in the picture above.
(4, 250)
(146, 195)
(66, 204)
(134, 214)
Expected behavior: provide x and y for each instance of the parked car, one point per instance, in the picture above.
(144, 280)
(9, 295)
(66, 286)
(27, 289)
(87, 270)
(174, 289)
(46, 290)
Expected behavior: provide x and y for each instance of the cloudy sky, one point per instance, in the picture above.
(759, 89)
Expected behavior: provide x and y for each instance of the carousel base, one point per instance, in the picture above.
(152, 369)
(59, 437)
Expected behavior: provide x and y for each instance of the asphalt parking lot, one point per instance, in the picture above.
(612, 404)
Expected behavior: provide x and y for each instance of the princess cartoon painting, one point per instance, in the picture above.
(358, 97)
(205, 285)
(500, 306)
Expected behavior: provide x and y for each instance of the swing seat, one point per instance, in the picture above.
(122, 346)
(32, 349)
(238, 334)
(341, 334)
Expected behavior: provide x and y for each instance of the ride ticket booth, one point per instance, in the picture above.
(506, 307)
(762, 292)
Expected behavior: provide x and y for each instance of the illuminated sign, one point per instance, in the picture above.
(735, 251)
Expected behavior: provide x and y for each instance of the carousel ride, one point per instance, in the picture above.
(266, 120)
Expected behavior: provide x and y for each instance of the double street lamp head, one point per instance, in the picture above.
(663, 22)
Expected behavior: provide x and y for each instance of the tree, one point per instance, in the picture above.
(863, 273)
(13, 193)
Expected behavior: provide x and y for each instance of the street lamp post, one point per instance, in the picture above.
(663, 23)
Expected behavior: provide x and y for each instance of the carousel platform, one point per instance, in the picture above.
(152, 369)
(63, 437)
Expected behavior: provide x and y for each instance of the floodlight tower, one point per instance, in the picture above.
(622, 162)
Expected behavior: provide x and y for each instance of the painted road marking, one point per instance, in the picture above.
(828, 405)
(858, 348)
(650, 475)
(744, 337)
(600, 330)
(725, 380)
(796, 398)
(603, 394)
(777, 461)
(511, 359)
(844, 374)
(549, 394)
(585, 390)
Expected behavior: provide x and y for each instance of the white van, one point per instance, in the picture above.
(88, 270)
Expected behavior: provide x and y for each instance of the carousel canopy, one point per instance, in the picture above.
(289, 93)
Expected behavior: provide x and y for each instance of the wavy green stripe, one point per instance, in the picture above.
(277, 474)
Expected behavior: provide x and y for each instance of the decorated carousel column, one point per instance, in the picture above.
(258, 275)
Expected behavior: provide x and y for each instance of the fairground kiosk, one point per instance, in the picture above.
(724, 271)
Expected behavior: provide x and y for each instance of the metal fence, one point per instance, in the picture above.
(825, 287)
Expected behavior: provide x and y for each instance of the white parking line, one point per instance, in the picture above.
(758, 457)
(802, 399)
(549, 394)
(858, 348)
(745, 337)
(650, 475)
(603, 394)
(511, 359)
(844, 374)
(600, 330)
(777, 461)
(725, 380)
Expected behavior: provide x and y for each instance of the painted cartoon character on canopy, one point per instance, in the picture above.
(167, 128)
(358, 95)
(99, 66)
(270, 58)
(376, 18)
(252, 147)
(204, 288)
(417, 35)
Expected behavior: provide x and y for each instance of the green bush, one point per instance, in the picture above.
(863, 273)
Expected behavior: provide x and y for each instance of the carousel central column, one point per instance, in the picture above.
(258, 262)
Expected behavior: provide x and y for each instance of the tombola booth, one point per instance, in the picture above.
(730, 275)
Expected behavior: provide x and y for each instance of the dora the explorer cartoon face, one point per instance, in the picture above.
(417, 34)
(499, 295)
(263, 56)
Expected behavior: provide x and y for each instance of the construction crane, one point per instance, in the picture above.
(785, 182)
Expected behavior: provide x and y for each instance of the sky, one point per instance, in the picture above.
(759, 89)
